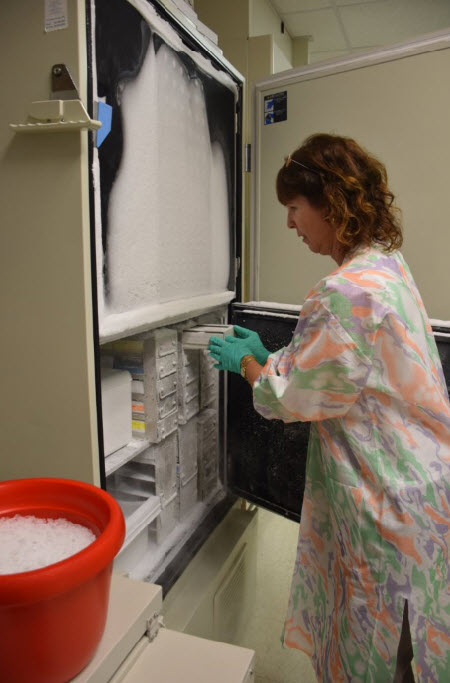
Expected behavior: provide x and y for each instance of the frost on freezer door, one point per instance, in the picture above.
(166, 173)
(187, 466)
(187, 449)
(208, 452)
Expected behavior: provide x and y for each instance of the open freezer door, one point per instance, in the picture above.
(266, 458)
(370, 97)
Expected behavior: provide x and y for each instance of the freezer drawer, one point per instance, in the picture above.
(174, 657)
(132, 605)
(127, 652)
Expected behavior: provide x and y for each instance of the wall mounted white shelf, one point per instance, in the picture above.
(56, 116)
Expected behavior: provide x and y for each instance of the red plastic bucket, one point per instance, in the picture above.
(52, 619)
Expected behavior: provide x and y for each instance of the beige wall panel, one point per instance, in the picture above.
(264, 19)
(300, 51)
(235, 50)
(47, 394)
(397, 110)
(228, 18)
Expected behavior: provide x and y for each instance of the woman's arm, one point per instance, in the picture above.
(318, 376)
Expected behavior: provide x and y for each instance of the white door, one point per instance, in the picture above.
(394, 102)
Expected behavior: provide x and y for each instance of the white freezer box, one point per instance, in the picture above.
(116, 409)
(198, 337)
(136, 648)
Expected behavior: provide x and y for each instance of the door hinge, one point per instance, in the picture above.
(63, 86)
(153, 626)
(247, 158)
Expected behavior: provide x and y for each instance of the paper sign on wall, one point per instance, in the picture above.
(275, 108)
(56, 16)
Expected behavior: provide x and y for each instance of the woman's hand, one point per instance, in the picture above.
(229, 352)
(252, 341)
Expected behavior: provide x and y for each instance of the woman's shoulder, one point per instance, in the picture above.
(373, 262)
(365, 284)
(369, 269)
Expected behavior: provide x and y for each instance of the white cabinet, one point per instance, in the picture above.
(136, 648)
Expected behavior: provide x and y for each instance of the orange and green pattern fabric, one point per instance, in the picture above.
(363, 367)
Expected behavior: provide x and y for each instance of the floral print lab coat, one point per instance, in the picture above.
(363, 367)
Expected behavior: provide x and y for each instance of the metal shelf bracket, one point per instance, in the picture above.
(63, 112)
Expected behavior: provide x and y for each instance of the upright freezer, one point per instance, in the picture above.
(168, 202)
(121, 172)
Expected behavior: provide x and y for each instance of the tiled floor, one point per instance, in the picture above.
(277, 542)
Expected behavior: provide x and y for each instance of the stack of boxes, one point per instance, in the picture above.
(175, 397)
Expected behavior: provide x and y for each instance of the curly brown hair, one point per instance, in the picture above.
(335, 174)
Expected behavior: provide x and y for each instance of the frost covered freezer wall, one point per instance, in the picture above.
(169, 190)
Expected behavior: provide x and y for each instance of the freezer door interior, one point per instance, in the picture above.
(266, 459)
(442, 338)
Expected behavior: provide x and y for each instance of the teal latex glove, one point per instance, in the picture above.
(227, 353)
(252, 341)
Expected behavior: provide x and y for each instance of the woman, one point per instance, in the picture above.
(364, 369)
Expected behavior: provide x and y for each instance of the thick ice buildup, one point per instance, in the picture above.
(168, 234)
(28, 543)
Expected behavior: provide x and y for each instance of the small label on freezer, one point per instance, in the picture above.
(56, 15)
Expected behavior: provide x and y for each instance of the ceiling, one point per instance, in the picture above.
(340, 27)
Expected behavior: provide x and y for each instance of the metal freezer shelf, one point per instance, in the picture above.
(114, 461)
(139, 512)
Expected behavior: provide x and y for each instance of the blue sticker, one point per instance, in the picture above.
(104, 115)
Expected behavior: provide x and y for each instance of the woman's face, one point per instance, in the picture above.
(311, 226)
